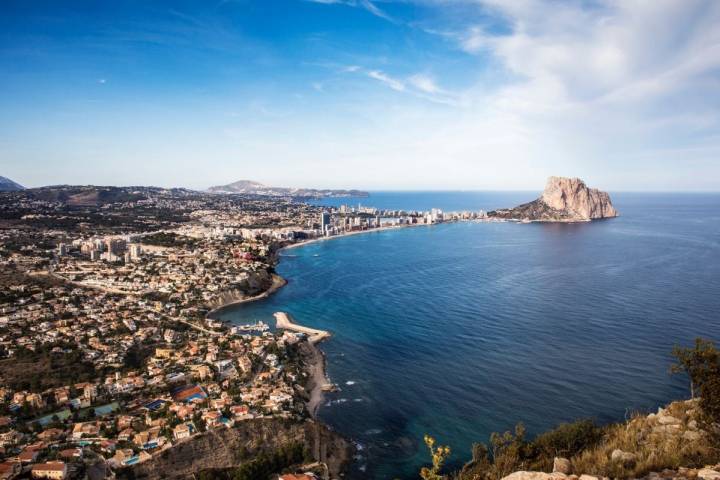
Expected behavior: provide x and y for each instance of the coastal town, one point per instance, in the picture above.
(111, 353)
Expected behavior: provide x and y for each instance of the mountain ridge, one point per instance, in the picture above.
(257, 188)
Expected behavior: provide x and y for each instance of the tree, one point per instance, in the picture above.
(439, 455)
(700, 363)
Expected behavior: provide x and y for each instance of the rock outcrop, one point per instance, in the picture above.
(563, 200)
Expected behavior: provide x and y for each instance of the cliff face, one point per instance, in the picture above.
(572, 195)
(563, 200)
(225, 448)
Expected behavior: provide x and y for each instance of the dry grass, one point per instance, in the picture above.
(655, 447)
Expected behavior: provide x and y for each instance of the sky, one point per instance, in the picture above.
(371, 94)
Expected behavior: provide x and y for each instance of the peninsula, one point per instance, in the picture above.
(563, 200)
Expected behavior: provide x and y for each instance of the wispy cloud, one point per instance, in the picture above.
(364, 4)
(393, 83)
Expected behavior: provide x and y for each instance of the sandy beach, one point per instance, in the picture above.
(348, 234)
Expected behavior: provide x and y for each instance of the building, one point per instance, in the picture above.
(52, 470)
(135, 251)
(9, 470)
(324, 221)
(115, 246)
(62, 249)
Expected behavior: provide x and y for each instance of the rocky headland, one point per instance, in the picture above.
(563, 200)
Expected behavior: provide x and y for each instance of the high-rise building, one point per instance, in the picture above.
(324, 221)
(135, 251)
(62, 249)
(114, 246)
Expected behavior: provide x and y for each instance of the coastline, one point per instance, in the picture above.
(315, 357)
(316, 363)
(277, 283)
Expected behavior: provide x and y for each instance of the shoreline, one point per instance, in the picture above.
(315, 358)
(317, 363)
(277, 283)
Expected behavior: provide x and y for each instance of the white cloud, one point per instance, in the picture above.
(365, 4)
(424, 83)
(387, 80)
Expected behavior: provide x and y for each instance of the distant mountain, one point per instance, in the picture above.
(7, 185)
(254, 188)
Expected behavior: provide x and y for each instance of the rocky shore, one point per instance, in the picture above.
(315, 364)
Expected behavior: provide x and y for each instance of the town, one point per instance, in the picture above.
(109, 350)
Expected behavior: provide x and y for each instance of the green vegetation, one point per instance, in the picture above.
(45, 368)
(438, 454)
(510, 451)
(701, 363)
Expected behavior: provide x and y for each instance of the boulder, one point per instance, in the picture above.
(522, 475)
(668, 420)
(708, 474)
(691, 435)
(562, 465)
(626, 458)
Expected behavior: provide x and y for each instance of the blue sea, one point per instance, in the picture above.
(459, 330)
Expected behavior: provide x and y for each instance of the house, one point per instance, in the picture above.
(298, 476)
(51, 470)
(71, 453)
(211, 417)
(85, 429)
(28, 455)
(9, 470)
(184, 430)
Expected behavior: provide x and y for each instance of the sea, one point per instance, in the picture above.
(463, 329)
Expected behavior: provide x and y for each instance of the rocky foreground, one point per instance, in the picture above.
(666, 438)
(563, 200)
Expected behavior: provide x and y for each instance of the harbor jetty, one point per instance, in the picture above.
(283, 321)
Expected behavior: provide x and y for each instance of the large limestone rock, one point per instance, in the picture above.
(572, 195)
(563, 200)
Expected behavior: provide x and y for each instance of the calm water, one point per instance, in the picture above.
(462, 329)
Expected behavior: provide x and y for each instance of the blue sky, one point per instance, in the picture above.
(405, 94)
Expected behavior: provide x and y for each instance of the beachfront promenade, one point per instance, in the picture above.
(314, 335)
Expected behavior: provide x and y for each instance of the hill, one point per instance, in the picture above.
(7, 185)
(255, 188)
